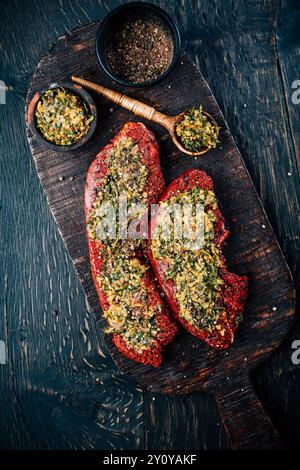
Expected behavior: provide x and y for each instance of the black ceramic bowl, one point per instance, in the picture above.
(130, 11)
(84, 96)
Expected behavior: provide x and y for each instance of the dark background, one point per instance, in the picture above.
(60, 389)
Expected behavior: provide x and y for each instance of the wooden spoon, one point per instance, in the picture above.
(145, 111)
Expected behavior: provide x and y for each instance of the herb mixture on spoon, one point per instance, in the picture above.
(196, 132)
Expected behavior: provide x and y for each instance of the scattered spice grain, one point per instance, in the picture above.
(140, 51)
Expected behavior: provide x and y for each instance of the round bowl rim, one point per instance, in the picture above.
(84, 95)
(162, 13)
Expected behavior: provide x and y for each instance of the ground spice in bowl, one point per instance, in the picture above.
(140, 51)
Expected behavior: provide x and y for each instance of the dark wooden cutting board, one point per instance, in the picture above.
(252, 248)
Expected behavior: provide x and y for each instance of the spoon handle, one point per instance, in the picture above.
(135, 106)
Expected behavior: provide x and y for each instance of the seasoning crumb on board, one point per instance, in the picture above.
(140, 51)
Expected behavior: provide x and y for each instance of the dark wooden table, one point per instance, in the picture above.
(59, 388)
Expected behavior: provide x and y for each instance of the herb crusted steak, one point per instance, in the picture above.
(204, 297)
(136, 315)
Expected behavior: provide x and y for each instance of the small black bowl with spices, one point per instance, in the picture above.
(138, 44)
(63, 116)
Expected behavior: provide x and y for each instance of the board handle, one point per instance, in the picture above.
(246, 422)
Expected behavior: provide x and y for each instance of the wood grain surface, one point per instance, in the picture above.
(52, 340)
(188, 366)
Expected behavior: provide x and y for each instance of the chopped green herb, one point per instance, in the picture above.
(196, 132)
(62, 117)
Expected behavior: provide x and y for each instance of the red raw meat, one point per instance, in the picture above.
(155, 184)
(234, 290)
